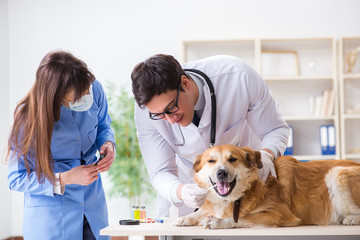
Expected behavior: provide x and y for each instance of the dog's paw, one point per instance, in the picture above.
(216, 223)
(184, 221)
(352, 220)
(203, 221)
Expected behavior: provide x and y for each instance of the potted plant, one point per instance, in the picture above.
(128, 173)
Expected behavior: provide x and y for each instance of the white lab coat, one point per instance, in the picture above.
(246, 116)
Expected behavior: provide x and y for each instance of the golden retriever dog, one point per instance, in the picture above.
(316, 192)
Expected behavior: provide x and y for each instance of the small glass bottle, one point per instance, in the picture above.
(132, 212)
(142, 214)
(135, 212)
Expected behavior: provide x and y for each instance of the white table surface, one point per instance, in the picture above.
(155, 229)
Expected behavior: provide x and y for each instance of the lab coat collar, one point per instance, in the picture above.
(206, 115)
(199, 106)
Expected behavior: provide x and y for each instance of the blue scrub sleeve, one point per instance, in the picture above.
(19, 180)
(105, 132)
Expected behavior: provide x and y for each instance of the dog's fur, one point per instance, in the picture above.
(316, 192)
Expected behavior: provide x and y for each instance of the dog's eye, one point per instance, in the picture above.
(211, 161)
(232, 159)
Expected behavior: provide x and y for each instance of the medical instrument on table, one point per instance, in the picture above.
(102, 155)
(129, 222)
(213, 104)
(159, 220)
(150, 220)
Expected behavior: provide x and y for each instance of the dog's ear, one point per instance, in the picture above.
(196, 166)
(253, 158)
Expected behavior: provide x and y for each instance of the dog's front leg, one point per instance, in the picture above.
(214, 223)
(191, 219)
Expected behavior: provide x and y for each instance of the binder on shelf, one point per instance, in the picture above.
(289, 148)
(323, 139)
(327, 139)
(331, 141)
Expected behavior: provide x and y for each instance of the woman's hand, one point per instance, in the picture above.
(109, 150)
(87, 174)
(81, 175)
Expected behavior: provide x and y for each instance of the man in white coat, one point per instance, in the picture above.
(173, 119)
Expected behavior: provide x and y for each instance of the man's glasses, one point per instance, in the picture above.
(170, 110)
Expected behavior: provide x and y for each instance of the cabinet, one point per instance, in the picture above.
(298, 73)
(349, 87)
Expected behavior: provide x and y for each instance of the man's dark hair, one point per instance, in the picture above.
(155, 76)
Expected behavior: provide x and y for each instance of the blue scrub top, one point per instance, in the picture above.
(76, 136)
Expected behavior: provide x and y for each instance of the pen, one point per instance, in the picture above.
(159, 220)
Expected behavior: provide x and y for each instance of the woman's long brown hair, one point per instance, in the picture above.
(30, 137)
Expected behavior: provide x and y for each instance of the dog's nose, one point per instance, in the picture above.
(222, 174)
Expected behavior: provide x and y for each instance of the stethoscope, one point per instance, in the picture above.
(213, 107)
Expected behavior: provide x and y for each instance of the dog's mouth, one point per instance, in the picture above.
(223, 188)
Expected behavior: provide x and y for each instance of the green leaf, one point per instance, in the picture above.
(128, 173)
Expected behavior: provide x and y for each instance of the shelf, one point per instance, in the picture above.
(218, 42)
(297, 78)
(298, 40)
(352, 156)
(298, 72)
(351, 76)
(315, 157)
(349, 88)
(308, 118)
(351, 116)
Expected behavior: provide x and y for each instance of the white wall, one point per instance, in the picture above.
(5, 199)
(112, 36)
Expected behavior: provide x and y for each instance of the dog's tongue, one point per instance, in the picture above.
(223, 187)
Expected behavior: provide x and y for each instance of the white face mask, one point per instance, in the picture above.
(84, 103)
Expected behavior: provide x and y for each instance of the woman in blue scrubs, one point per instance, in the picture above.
(58, 128)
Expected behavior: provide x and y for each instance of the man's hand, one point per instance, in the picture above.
(193, 195)
(268, 166)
